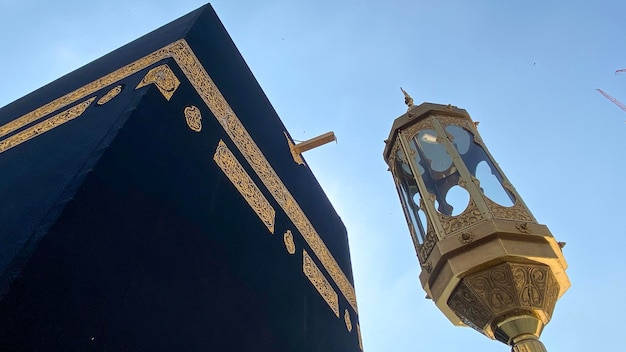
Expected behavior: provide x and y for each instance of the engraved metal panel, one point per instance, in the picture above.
(467, 218)
(516, 212)
(346, 319)
(499, 290)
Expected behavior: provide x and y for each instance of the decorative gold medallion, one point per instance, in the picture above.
(193, 118)
(110, 95)
(288, 238)
(346, 318)
(522, 227)
(466, 237)
(313, 273)
(163, 77)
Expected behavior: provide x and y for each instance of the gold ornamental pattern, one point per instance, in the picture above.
(470, 216)
(531, 283)
(289, 244)
(429, 243)
(552, 295)
(346, 319)
(110, 95)
(193, 117)
(392, 156)
(313, 273)
(244, 184)
(498, 290)
(515, 212)
(208, 91)
(45, 125)
(463, 122)
(163, 78)
(412, 130)
(469, 308)
(494, 287)
(89, 89)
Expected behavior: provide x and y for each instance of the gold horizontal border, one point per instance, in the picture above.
(45, 126)
(313, 273)
(90, 88)
(208, 91)
(244, 184)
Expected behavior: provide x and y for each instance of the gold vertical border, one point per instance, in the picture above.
(244, 184)
(313, 273)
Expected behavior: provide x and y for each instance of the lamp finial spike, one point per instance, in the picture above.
(407, 98)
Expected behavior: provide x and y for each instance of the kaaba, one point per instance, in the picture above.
(152, 200)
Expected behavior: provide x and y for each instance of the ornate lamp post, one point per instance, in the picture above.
(486, 262)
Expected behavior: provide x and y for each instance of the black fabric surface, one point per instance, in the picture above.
(119, 232)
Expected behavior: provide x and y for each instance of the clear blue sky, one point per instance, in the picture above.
(527, 70)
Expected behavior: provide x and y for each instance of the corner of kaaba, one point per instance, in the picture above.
(152, 200)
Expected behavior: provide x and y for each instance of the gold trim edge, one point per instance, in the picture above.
(90, 88)
(45, 125)
(225, 159)
(323, 287)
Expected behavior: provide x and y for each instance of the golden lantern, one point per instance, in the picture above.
(486, 262)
